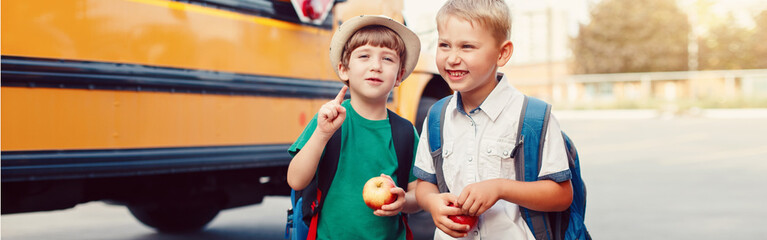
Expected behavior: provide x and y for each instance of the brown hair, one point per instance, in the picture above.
(492, 14)
(378, 36)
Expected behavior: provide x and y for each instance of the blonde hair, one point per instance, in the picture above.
(377, 36)
(492, 14)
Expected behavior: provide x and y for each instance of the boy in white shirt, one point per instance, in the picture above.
(480, 128)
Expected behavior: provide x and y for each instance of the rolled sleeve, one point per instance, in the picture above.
(425, 176)
(558, 176)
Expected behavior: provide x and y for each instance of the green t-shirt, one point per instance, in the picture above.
(367, 150)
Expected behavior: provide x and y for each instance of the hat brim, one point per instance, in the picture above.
(349, 27)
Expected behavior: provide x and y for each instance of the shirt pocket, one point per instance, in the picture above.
(497, 160)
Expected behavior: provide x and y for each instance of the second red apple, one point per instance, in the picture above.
(463, 219)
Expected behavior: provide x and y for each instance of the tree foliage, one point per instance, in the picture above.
(632, 36)
(727, 46)
(759, 41)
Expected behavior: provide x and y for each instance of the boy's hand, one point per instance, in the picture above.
(331, 115)
(394, 208)
(439, 207)
(476, 198)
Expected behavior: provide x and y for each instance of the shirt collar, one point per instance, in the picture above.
(495, 102)
(459, 105)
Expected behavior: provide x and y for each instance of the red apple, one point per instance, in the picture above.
(377, 192)
(463, 219)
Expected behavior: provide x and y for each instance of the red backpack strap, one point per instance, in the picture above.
(312, 234)
(408, 233)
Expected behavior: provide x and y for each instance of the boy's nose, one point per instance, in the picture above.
(375, 65)
(453, 58)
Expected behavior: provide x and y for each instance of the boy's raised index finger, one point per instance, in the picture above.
(341, 94)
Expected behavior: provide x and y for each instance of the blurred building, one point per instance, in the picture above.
(541, 32)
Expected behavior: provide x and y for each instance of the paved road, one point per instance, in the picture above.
(99, 221)
(688, 178)
(674, 179)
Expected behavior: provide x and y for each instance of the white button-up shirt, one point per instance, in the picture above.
(477, 147)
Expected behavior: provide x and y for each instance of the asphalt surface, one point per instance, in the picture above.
(687, 178)
(651, 178)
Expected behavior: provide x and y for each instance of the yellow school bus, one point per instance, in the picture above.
(176, 109)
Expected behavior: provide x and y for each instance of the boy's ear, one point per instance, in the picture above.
(343, 73)
(399, 77)
(507, 48)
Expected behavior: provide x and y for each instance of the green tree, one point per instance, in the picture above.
(727, 46)
(632, 36)
(759, 41)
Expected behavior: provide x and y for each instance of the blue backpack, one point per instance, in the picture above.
(307, 203)
(568, 224)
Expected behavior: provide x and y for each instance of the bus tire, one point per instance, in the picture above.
(174, 218)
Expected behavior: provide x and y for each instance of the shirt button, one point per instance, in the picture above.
(505, 153)
(471, 158)
(476, 232)
(489, 150)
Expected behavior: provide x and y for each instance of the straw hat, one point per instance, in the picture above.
(349, 27)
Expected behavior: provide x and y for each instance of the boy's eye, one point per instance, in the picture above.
(362, 56)
(467, 46)
(443, 45)
(390, 59)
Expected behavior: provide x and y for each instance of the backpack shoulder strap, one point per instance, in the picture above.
(314, 194)
(531, 135)
(534, 120)
(328, 165)
(436, 118)
(402, 133)
(403, 137)
(436, 121)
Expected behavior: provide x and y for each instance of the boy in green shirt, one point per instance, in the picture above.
(372, 55)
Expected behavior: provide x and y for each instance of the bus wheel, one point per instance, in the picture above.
(174, 218)
(423, 111)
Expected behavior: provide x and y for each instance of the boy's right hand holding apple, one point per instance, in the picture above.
(441, 206)
(331, 115)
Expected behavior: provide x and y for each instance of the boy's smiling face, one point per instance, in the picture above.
(468, 55)
(373, 72)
